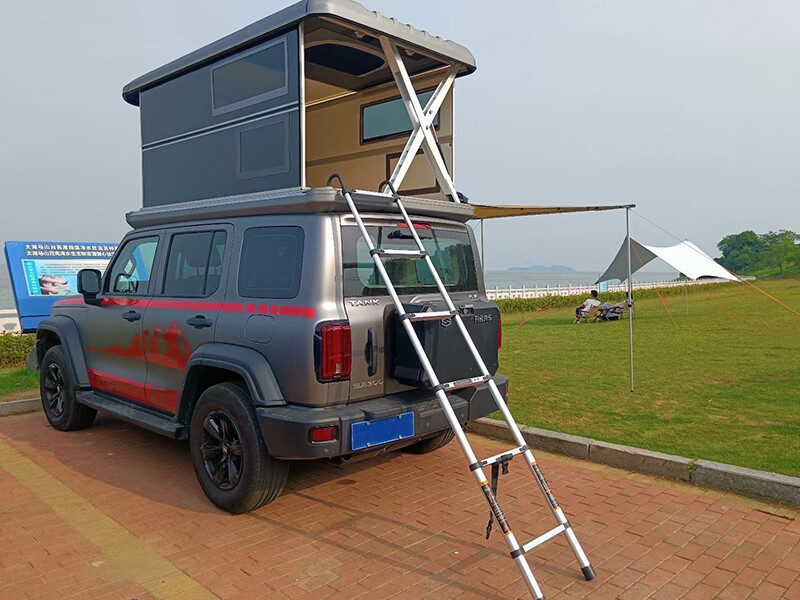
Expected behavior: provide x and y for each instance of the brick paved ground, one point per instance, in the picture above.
(115, 512)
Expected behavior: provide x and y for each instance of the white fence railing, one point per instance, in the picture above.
(9, 321)
(498, 293)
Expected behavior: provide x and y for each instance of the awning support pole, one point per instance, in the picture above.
(421, 121)
(483, 256)
(686, 286)
(630, 289)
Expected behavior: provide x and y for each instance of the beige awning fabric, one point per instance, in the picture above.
(484, 211)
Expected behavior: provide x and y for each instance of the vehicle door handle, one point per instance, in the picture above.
(131, 316)
(199, 321)
(372, 352)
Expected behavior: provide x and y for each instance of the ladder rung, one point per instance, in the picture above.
(508, 454)
(399, 253)
(433, 315)
(543, 538)
(463, 383)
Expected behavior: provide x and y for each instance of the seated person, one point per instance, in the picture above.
(587, 304)
(611, 312)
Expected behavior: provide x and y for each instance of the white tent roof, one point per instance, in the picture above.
(685, 257)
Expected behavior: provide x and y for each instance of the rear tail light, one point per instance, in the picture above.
(499, 331)
(319, 435)
(334, 359)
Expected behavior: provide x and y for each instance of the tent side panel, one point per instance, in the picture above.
(230, 127)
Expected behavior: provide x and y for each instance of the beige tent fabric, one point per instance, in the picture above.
(484, 211)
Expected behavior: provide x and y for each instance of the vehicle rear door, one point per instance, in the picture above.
(112, 338)
(370, 310)
(182, 314)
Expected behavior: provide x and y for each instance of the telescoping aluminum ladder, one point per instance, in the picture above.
(476, 466)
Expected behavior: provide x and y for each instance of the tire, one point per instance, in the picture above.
(229, 454)
(57, 390)
(436, 441)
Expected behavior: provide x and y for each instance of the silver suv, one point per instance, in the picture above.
(260, 331)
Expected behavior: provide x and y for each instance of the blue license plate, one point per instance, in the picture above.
(368, 434)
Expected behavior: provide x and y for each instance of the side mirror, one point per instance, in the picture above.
(89, 282)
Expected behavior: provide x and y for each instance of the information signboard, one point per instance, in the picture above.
(42, 272)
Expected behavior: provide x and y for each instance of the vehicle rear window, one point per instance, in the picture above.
(451, 252)
(272, 258)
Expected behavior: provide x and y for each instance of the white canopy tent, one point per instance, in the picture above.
(685, 257)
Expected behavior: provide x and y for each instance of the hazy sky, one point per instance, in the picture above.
(688, 108)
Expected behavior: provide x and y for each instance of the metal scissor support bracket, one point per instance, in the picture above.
(421, 121)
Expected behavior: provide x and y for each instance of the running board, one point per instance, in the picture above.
(129, 412)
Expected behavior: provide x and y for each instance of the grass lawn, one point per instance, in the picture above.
(18, 384)
(723, 388)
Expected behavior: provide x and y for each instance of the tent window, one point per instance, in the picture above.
(263, 150)
(389, 118)
(248, 79)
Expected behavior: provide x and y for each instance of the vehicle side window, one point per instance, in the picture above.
(130, 273)
(271, 262)
(194, 264)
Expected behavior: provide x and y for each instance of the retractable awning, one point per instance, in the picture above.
(484, 211)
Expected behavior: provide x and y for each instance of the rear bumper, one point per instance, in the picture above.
(286, 428)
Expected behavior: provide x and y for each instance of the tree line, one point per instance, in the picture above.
(776, 253)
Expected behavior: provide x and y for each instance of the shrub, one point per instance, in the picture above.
(15, 349)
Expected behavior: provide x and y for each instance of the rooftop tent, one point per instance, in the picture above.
(685, 257)
(318, 87)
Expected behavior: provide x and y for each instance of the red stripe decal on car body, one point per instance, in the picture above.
(168, 348)
(157, 397)
(125, 302)
(69, 302)
(285, 310)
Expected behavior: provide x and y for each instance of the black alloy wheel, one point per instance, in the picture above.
(229, 454)
(54, 389)
(57, 391)
(222, 450)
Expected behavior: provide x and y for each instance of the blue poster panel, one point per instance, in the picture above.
(42, 272)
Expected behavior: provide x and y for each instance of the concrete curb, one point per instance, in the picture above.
(705, 473)
(747, 481)
(17, 407)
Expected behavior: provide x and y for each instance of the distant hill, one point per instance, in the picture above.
(543, 269)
